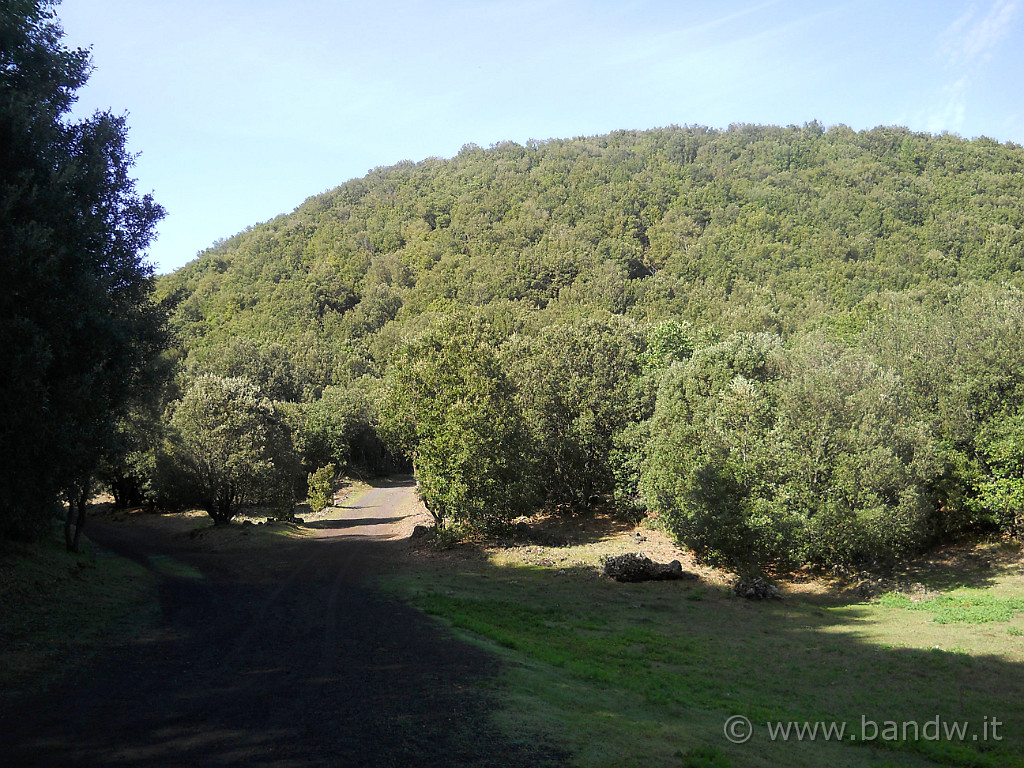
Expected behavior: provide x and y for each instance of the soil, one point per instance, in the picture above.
(277, 653)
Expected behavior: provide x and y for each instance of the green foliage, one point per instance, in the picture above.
(227, 446)
(762, 456)
(754, 228)
(333, 425)
(450, 407)
(1000, 443)
(711, 457)
(961, 356)
(832, 321)
(78, 331)
(668, 342)
(269, 367)
(580, 387)
(321, 487)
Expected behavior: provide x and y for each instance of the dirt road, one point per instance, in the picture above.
(293, 661)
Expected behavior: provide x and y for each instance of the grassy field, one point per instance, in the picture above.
(649, 674)
(57, 610)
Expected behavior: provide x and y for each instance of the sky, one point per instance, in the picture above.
(239, 110)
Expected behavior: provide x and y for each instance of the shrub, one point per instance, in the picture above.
(765, 457)
(321, 488)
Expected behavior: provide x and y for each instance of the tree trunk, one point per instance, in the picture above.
(80, 523)
(75, 520)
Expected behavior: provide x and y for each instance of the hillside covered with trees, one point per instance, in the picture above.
(796, 345)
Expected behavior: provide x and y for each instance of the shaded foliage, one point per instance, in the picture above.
(579, 385)
(226, 446)
(78, 329)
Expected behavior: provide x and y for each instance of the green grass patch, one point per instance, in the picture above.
(58, 609)
(962, 606)
(648, 674)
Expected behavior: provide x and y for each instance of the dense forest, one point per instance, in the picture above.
(794, 344)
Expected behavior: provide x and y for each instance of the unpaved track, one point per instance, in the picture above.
(293, 662)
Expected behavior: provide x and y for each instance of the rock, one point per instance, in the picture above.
(419, 531)
(865, 590)
(756, 588)
(639, 567)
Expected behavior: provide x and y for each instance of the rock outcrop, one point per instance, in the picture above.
(639, 567)
(756, 588)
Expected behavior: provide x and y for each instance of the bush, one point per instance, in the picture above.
(762, 457)
(321, 488)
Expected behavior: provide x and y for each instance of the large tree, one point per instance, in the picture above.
(450, 407)
(580, 387)
(227, 446)
(78, 328)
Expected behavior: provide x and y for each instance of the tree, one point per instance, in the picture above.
(332, 425)
(710, 456)
(227, 446)
(579, 383)
(451, 408)
(78, 329)
(1001, 491)
(766, 457)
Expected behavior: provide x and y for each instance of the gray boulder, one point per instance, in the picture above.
(756, 588)
(639, 567)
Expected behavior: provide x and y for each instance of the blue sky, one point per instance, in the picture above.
(242, 110)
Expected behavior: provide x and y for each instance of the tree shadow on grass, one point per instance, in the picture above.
(973, 565)
(355, 522)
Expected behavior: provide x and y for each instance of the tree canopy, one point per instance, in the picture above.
(79, 332)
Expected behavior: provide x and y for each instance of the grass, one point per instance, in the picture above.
(57, 610)
(962, 606)
(647, 674)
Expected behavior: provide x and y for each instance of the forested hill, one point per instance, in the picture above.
(750, 228)
(795, 345)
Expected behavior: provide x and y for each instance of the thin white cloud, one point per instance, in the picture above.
(686, 36)
(972, 44)
(951, 107)
(966, 46)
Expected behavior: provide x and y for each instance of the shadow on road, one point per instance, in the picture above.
(293, 660)
(353, 522)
